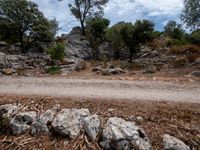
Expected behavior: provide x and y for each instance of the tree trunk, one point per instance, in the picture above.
(22, 43)
(131, 55)
(83, 27)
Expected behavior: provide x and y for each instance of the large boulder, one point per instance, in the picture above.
(124, 135)
(69, 122)
(91, 125)
(40, 125)
(77, 45)
(8, 109)
(21, 123)
(172, 143)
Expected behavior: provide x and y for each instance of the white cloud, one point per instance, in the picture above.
(117, 10)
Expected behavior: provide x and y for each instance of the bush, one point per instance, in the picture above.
(195, 37)
(57, 52)
(175, 42)
(53, 70)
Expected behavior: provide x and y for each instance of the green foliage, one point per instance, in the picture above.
(95, 28)
(84, 9)
(21, 21)
(191, 14)
(57, 52)
(130, 36)
(175, 42)
(54, 70)
(195, 37)
(174, 30)
(113, 35)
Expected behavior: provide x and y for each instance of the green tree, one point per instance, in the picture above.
(134, 35)
(174, 30)
(130, 36)
(24, 21)
(95, 29)
(113, 35)
(191, 14)
(195, 37)
(82, 9)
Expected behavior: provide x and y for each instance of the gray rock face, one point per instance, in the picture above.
(172, 143)
(118, 130)
(91, 125)
(69, 121)
(8, 110)
(196, 74)
(22, 122)
(77, 45)
(41, 123)
(24, 61)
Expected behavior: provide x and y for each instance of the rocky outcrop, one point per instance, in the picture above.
(77, 45)
(120, 134)
(28, 61)
(172, 143)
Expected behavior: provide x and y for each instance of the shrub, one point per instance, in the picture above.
(175, 42)
(57, 52)
(54, 70)
(195, 37)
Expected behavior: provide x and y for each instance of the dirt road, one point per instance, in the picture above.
(111, 89)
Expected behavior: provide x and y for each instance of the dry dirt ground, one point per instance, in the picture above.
(177, 119)
(168, 107)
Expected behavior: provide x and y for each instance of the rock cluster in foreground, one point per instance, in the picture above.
(115, 134)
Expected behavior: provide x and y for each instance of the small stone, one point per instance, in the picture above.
(139, 118)
(8, 71)
(196, 74)
(22, 122)
(172, 143)
(7, 110)
(91, 125)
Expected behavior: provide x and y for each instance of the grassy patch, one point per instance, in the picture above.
(54, 70)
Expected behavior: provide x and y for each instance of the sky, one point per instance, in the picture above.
(159, 11)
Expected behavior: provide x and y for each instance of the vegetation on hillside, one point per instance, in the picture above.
(21, 21)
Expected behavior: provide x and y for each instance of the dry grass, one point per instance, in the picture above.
(177, 119)
(185, 50)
